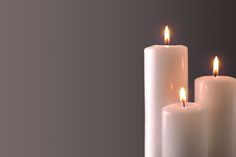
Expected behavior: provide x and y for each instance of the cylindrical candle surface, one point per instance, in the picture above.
(217, 94)
(166, 71)
(184, 130)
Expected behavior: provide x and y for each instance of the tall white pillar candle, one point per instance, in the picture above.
(165, 71)
(184, 130)
(217, 94)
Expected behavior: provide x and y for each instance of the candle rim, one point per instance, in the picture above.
(217, 78)
(150, 48)
(177, 108)
(169, 45)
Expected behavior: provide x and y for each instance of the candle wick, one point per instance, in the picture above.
(215, 74)
(183, 103)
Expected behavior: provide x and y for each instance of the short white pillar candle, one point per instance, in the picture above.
(184, 130)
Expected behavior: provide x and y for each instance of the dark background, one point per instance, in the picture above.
(71, 71)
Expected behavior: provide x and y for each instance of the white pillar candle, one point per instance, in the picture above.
(234, 123)
(184, 130)
(217, 94)
(166, 70)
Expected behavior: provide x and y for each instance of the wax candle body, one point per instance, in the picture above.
(166, 71)
(234, 124)
(184, 130)
(217, 94)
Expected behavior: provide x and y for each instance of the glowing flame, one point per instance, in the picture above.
(167, 35)
(216, 66)
(182, 96)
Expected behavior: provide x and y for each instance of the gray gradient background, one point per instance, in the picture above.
(71, 80)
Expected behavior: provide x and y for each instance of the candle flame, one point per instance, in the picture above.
(167, 35)
(216, 66)
(182, 95)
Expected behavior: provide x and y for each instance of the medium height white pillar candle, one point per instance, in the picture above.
(217, 94)
(165, 71)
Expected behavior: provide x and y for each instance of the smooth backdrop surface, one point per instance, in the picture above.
(71, 71)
